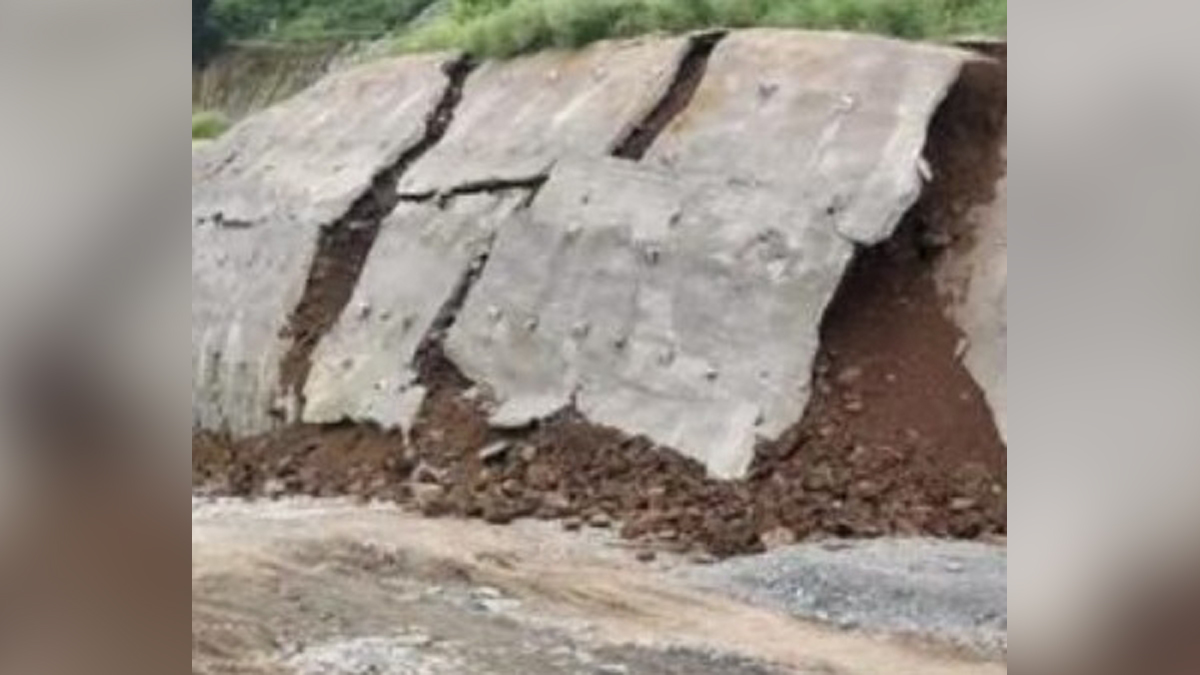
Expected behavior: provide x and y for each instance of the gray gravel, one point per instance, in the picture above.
(950, 592)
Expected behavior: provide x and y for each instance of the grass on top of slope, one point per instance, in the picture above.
(208, 124)
(502, 28)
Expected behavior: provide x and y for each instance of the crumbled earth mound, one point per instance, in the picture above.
(898, 438)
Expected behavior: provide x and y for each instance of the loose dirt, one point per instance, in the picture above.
(898, 439)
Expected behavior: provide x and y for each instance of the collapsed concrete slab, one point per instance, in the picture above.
(305, 161)
(260, 197)
(834, 119)
(364, 368)
(518, 117)
(681, 310)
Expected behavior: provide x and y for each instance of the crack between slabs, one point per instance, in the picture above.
(687, 79)
(343, 248)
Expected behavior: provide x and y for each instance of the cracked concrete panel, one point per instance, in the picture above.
(362, 370)
(976, 279)
(682, 310)
(244, 283)
(518, 117)
(259, 198)
(308, 159)
(843, 117)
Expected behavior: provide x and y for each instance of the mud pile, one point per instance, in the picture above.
(896, 436)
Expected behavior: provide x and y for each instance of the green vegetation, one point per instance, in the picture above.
(498, 28)
(506, 27)
(208, 125)
(206, 37)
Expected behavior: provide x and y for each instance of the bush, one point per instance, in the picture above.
(208, 125)
(500, 28)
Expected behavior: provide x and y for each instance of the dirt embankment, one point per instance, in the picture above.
(244, 78)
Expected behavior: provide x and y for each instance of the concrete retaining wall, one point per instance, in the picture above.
(678, 297)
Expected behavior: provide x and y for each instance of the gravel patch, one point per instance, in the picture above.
(950, 592)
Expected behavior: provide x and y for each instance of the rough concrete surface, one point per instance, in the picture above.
(518, 117)
(301, 587)
(260, 196)
(956, 592)
(687, 312)
(363, 369)
(836, 121)
(975, 276)
(304, 162)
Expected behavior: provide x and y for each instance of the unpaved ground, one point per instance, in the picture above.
(956, 591)
(332, 588)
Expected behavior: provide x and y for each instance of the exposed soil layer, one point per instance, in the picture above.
(898, 439)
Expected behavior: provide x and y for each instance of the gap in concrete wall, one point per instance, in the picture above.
(344, 246)
(684, 85)
(532, 185)
(431, 363)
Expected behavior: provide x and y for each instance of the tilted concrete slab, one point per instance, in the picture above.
(682, 310)
(259, 198)
(362, 370)
(832, 118)
(976, 278)
(518, 117)
(308, 159)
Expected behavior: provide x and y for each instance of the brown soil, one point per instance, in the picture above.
(897, 440)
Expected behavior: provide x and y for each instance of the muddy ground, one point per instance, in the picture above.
(330, 588)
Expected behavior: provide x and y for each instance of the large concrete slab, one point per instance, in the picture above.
(518, 117)
(835, 119)
(259, 198)
(306, 160)
(677, 309)
(362, 370)
(976, 278)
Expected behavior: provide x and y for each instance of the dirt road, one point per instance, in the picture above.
(332, 588)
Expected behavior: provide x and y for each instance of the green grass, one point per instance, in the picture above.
(207, 125)
(502, 28)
